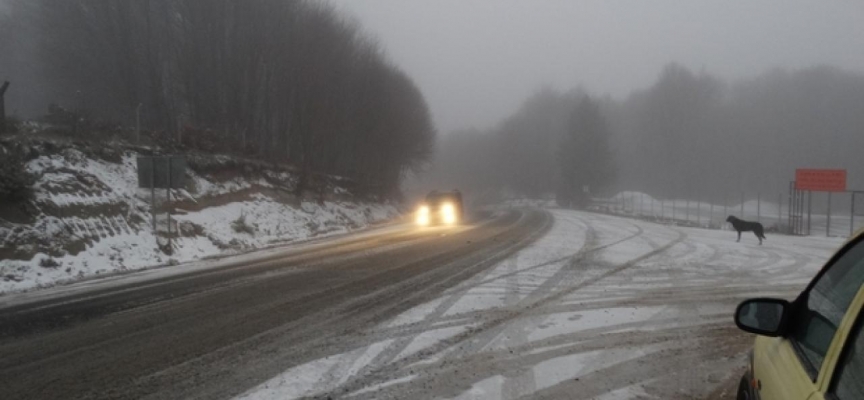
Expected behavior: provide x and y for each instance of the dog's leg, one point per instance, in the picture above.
(739, 237)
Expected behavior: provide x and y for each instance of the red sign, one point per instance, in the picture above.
(821, 180)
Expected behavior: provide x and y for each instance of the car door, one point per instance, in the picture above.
(790, 368)
(778, 373)
(847, 382)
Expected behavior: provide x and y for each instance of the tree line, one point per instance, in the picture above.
(693, 134)
(556, 144)
(688, 134)
(286, 81)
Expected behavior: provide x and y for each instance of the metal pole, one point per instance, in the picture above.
(809, 209)
(687, 210)
(828, 225)
(673, 209)
(662, 208)
(852, 216)
(798, 203)
(779, 210)
(791, 212)
(698, 211)
(153, 192)
(170, 249)
(642, 204)
(758, 207)
(711, 214)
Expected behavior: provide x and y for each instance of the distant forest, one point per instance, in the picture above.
(689, 134)
(286, 81)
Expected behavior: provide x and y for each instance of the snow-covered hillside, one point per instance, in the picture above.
(88, 216)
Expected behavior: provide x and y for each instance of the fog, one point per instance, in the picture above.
(706, 99)
(478, 60)
(532, 98)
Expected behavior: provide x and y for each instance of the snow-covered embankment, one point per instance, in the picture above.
(89, 217)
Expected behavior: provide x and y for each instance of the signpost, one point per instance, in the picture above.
(820, 180)
(161, 172)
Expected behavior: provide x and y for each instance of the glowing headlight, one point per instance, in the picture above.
(448, 213)
(423, 215)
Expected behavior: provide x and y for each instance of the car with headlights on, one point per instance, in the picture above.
(441, 208)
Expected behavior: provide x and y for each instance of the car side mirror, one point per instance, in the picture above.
(762, 316)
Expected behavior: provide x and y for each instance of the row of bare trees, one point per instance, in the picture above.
(288, 81)
(687, 134)
(693, 133)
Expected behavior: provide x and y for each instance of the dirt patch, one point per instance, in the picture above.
(84, 210)
(18, 213)
(190, 229)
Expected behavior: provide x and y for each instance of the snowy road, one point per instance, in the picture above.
(531, 304)
(599, 308)
(214, 331)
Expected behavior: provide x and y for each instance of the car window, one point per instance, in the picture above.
(849, 378)
(826, 303)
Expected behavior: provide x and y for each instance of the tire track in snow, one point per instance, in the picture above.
(398, 346)
(445, 379)
(387, 372)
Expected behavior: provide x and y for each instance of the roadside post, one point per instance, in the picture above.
(779, 210)
(711, 214)
(698, 211)
(168, 196)
(674, 216)
(852, 216)
(162, 172)
(642, 204)
(687, 210)
(828, 224)
(152, 192)
(758, 207)
(662, 209)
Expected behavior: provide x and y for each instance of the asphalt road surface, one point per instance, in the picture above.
(214, 333)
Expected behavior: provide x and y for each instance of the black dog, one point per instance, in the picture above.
(747, 226)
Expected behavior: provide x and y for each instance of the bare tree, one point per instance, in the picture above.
(3, 106)
(290, 81)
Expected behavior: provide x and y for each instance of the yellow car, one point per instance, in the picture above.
(813, 347)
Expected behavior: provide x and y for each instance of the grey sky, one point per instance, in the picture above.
(477, 60)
